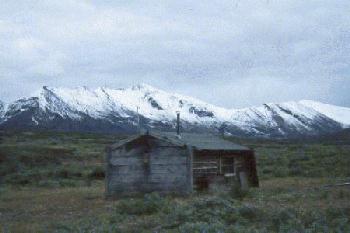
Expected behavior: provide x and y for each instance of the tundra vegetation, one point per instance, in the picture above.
(54, 182)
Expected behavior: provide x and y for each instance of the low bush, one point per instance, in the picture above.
(281, 217)
(48, 183)
(149, 204)
(296, 170)
(24, 178)
(279, 172)
(87, 225)
(69, 183)
(97, 173)
(249, 212)
(236, 192)
(203, 227)
(68, 172)
(178, 215)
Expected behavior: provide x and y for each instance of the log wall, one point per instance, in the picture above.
(144, 168)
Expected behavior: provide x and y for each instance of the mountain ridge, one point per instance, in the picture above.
(117, 110)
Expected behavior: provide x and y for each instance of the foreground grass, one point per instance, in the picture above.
(53, 182)
(280, 205)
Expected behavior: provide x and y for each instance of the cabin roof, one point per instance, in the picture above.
(199, 141)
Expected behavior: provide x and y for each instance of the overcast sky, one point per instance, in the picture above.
(233, 53)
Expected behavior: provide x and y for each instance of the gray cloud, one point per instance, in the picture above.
(230, 53)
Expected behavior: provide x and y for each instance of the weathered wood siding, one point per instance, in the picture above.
(209, 164)
(141, 168)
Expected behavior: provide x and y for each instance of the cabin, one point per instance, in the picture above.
(173, 163)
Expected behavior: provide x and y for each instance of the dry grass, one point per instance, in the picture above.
(40, 209)
(33, 208)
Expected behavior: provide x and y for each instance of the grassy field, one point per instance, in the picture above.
(54, 182)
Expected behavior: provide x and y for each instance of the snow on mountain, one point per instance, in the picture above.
(112, 110)
(153, 103)
(340, 114)
(289, 112)
(70, 102)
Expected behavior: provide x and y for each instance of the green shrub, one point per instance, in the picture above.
(178, 215)
(236, 191)
(86, 225)
(279, 172)
(309, 217)
(232, 217)
(202, 227)
(210, 209)
(343, 194)
(282, 217)
(18, 179)
(296, 170)
(48, 183)
(97, 173)
(267, 171)
(249, 212)
(151, 203)
(68, 183)
(68, 172)
(8, 164)
(333, 213)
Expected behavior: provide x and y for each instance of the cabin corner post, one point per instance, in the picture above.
(190, 169)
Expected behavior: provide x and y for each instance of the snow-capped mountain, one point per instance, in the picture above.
(117, 110)
(340, 114)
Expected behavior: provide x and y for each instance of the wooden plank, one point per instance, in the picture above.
(179, 163)
(210, 162)
(170, 159)
(125, 161)
(168, 162)
(206, 172)
(167, 180)
(168, 169)
(201, 168)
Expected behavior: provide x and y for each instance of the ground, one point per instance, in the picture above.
(54, 182)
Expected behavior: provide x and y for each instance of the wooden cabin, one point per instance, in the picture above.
(172, 163)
